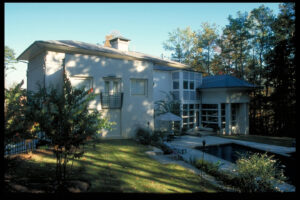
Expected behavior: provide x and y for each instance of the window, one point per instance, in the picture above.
(81, 82)
(176, 95)
(175, 85)
(188, 115)
(191, 85)
(192, 95)
(111, 97)
(186, 95)
(186, 75)
(234, 107)
(191, 75)
(175, 75)
(185, 85)
(209, 115)
(139, 87)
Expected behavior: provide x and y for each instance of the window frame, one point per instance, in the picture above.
(145, 86)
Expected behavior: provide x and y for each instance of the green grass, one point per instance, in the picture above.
(119, 166)
(280, 141)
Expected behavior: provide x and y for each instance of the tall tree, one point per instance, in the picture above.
(9, 59)
(261, 20)
(63, 117)
(206, 39)
(180, 43)
(238, 32)
(281, 69)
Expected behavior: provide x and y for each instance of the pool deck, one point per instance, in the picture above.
(188, 143)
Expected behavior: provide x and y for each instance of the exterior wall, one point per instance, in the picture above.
(35, 72)
(54, 69)
(229, 96)
(162, 84)
(137, 110)
(214, 96)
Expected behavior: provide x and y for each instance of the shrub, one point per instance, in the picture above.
(258, 172)
(209, 167)
(17, 126)
(165, 148)
(143, 136)
(157, 137)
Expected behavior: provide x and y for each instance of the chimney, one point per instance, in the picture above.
(119, 43)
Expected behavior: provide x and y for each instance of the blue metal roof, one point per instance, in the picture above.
(224, 81)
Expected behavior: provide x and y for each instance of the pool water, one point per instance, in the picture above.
(232, 152)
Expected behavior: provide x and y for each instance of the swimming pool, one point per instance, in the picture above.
(232, 152)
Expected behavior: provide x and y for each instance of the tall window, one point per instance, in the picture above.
(139, 87)
(234, 108)
(209, 115)
(111, 97)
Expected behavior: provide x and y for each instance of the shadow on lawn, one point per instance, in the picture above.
(25, 174)
(158, 173)
(109, 166)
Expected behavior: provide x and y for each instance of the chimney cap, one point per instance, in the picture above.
(119, 37)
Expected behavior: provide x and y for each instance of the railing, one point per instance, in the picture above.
(111, 101)
(21, 147)
(24, 146)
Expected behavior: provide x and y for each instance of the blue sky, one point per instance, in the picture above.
(146, 24)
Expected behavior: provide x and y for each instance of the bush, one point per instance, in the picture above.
(209, 167)
(157, 137)
(143, 136)
(258, 172)
(165, 148)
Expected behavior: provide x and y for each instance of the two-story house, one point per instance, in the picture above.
(127, 84)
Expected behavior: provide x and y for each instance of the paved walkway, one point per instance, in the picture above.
(187, 144)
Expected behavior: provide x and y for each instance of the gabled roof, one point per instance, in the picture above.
(83, 47)
(224, 81)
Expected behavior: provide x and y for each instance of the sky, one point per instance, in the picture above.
(146, 24)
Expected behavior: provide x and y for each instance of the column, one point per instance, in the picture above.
(228, 118)
(180, 95)
(245, 118)
(219, 116)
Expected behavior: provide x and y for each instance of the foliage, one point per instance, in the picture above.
(63, 115)
(205, 45)
(281, 69)
(260, 48)
(143, 136)
(9, 58)
(168, 104)
(255, 173)
(180, 42)
(166, 149)
(209, 167)
(17, 126)
(258, 173)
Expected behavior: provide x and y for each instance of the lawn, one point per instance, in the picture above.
(109, 166)
(280, 141)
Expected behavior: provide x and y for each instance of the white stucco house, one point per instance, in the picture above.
(128, 83)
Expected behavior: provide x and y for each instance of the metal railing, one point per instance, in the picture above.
(111, 101)
(24, 146)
